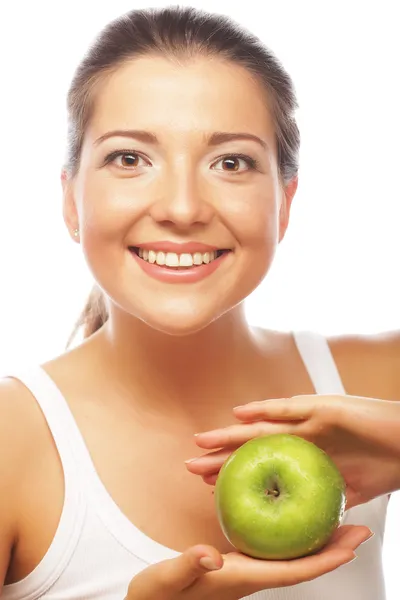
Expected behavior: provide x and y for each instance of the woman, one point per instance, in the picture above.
(181, 170)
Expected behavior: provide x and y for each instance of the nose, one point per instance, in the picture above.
(181, 201)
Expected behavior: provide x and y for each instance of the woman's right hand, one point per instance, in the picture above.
(235, 575)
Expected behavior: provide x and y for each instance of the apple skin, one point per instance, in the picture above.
(297, 522)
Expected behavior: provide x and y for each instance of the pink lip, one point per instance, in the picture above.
(178, 248)
(186, 275)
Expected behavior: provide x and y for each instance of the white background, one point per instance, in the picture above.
(337, 270)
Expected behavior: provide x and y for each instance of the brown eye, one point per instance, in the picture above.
(231, 164)
(130, 160)
(236, 163)
(126, 160)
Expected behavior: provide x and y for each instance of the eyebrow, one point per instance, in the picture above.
(217, 138)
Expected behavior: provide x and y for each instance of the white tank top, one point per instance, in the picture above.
(96, 550)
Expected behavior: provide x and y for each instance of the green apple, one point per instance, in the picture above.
(279, 497)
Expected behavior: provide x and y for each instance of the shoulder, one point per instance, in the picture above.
(19, 428)
(20, 432)
(369, 365)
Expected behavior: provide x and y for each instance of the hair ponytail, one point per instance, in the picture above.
(93, 316)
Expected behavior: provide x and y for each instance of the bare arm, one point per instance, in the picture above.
(14, 449)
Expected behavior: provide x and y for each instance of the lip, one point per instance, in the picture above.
(187, 275)
(178, 248)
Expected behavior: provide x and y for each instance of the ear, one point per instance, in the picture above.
(70, 213)
(288, 193)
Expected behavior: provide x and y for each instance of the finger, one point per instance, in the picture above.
(308, 568)
(350, 536)
(259, 574)
(339, 533)
(209, 463)
(169, 577)
(353, 498)
(285, 409)
(211, 479)
(236, 435)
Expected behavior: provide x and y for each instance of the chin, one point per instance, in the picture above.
(181, 326)
(180, 318)
(183, 330)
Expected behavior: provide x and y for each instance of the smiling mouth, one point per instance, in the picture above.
(176, 261)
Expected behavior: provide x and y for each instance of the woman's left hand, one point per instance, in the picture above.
(361, 435)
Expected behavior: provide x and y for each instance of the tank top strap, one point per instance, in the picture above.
(67, 437)
(68, 442)
(319, 362)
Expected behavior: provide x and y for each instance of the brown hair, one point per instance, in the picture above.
(177, 33)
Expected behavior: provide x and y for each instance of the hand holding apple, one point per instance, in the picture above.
(236, 575)
(361, 435)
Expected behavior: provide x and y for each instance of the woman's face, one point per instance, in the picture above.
(177, 199)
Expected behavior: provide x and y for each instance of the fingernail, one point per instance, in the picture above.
(191, 460)
(209, 564)
(371, 535)
(351, 559)
(241, 406)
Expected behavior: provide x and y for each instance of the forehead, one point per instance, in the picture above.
(199, 95)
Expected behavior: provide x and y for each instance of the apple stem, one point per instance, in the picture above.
(272, 492)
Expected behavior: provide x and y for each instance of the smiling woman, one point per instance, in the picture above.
(181, 170)
(202, 178)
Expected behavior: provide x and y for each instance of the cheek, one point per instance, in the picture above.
(255, 221)
(109, 207)
(255, 225)
(106, 212)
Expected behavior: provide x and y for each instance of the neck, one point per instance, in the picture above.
(182, 372)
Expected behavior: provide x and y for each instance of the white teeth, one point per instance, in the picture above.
(171, 259)
(186, 260)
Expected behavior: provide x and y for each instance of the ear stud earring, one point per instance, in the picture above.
(76, 232)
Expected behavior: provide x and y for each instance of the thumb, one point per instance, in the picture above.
(169, 577)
